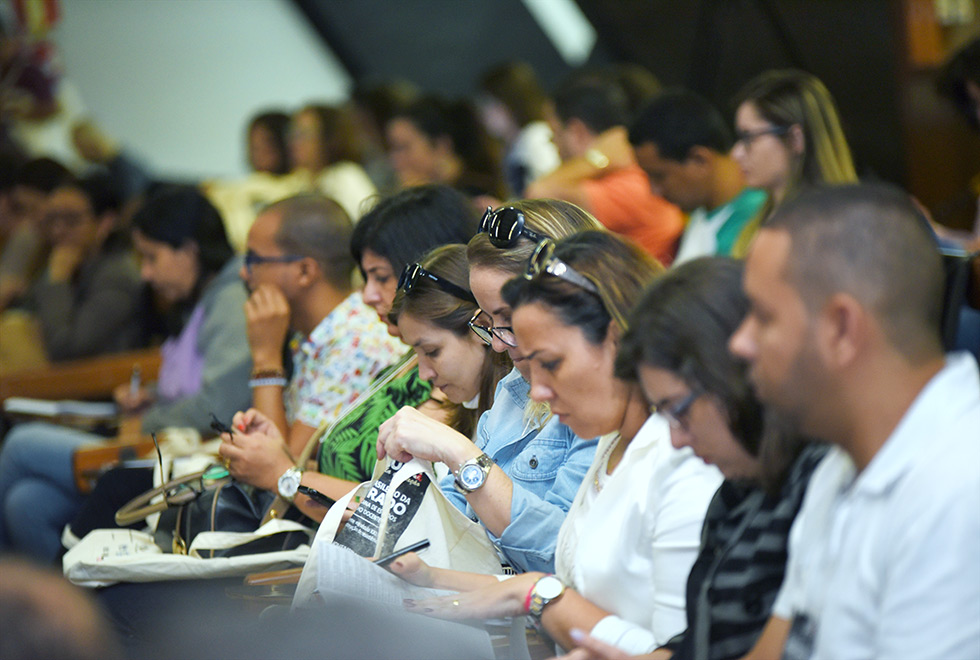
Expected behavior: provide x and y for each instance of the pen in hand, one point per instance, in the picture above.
(134, 382)
(415, 547)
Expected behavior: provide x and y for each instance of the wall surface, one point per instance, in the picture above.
(176, 82)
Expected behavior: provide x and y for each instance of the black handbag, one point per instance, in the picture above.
(211, 501)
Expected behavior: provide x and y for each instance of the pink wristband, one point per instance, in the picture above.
(527, 599)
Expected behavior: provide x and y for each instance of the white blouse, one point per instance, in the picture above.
(629, 547)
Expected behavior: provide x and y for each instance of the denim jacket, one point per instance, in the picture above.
(546, 467)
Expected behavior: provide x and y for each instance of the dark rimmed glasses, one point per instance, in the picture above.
(505, 226)
(748, 137)
(676, 414)
(543, 260)
(487, 332)
(414, 272)
(254, 259)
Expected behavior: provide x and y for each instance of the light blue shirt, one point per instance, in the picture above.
(546, 467)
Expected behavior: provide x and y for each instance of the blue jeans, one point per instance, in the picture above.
(38, 496)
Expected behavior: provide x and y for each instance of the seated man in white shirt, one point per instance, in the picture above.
(846, 292)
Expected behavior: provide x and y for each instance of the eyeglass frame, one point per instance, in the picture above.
(543, 259)
(412, 272)
(748, 137)
(252, 258)
(676, 414)
(491, 331)
(489, 216)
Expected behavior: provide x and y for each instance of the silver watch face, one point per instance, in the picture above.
(549, 587)
(289, 483)
(471, 476)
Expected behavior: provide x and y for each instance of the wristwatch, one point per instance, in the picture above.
(289, 483)
(472, 474)
(544, 591)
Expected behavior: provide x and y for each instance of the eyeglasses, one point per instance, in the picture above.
(676, 414)
(487, 332)
(543, 260)
(505, 226)
(253, 259)
(410, 277)
(748, 137)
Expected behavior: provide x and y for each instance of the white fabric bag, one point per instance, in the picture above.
(390, 517)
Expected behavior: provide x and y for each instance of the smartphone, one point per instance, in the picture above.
(315, 495)
(415, 547)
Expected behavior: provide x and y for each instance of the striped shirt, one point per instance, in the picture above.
(737, 575)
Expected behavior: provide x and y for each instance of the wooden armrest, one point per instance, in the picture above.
(285, 576)
(92, 378)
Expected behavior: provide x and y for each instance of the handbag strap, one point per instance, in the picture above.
(142, 506)
(404, 365)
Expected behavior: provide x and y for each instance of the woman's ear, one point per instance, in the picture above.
(614, 333)
(796, 139)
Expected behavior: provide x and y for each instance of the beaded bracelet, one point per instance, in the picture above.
(267, 382)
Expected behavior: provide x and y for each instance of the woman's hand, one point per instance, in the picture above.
(130, 402)
(256, 451)
(503, 599)
(591, 648)
(413, 570)
(410, 433)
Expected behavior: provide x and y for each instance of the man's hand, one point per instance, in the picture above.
(255, 451)
(64, 262)
(267, 317)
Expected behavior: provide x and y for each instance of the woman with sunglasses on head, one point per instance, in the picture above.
(788, 135)
(537, 463)
(632, 534)
(677, 349)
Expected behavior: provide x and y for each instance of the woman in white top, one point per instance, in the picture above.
(323, 146)
(633, 532)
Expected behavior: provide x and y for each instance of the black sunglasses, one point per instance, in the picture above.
(413, 272)
(505, 226)
(543, 260)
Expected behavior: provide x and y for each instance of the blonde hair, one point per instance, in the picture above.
(787, 98)
(554, 218)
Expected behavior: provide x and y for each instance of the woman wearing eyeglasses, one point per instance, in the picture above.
(536, 463)
(677, 349)
(788, 135)
(632, 534)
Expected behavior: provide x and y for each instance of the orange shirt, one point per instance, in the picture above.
(622, 201)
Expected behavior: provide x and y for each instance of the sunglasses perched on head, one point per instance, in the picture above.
(544, 261)
(505, 226)
(414, 272)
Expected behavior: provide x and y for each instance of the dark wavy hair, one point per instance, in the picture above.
(405, 226)
(619, 268)
(682, 324)
(175, 214)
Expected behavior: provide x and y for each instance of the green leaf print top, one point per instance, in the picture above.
(348, 452)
